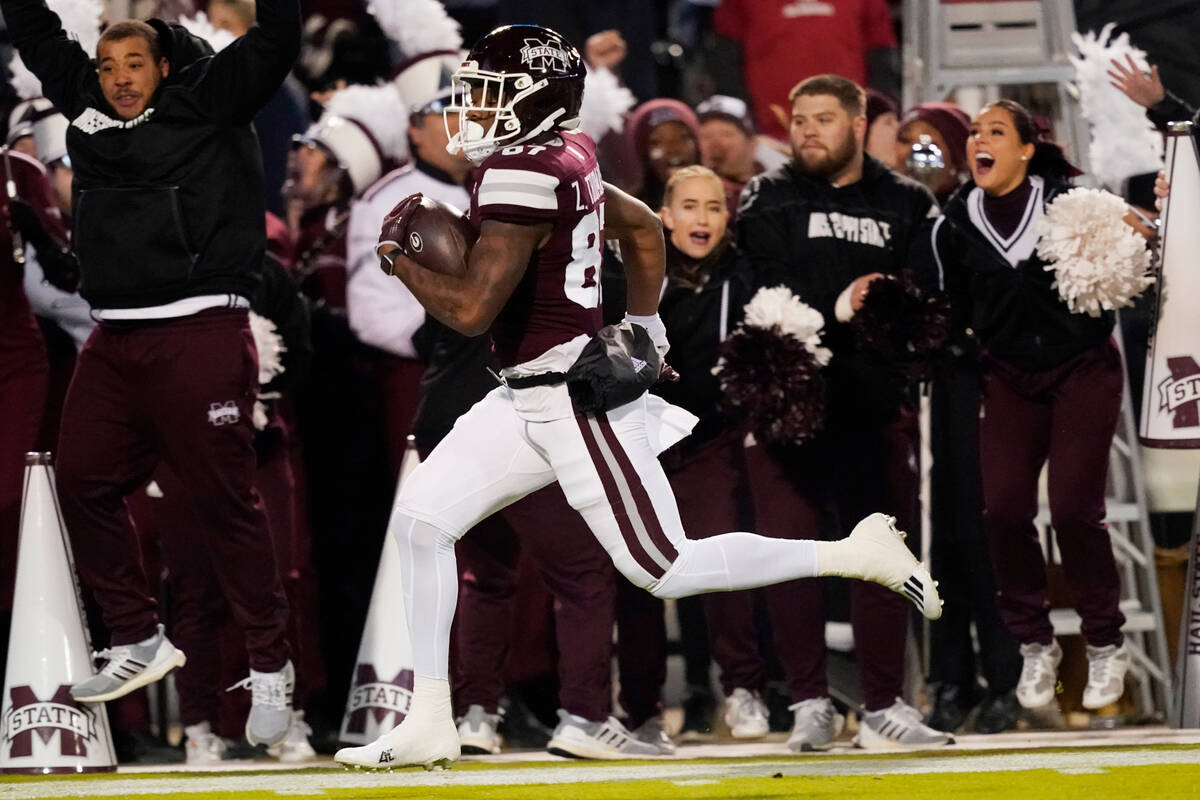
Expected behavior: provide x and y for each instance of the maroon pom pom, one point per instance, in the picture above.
(903, 325)
(775, 382)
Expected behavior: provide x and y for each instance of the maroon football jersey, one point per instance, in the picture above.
(558, 298)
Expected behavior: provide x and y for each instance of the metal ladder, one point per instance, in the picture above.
(971, 50)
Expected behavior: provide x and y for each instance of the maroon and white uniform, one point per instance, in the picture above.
(558, 298)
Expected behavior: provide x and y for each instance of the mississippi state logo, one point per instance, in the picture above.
(375, 698)
(1180, 393)
(544, 56)
(29, 715)
(223, 413)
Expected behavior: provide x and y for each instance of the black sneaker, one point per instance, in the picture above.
(998, 713)
(951, 705)
(698, 708)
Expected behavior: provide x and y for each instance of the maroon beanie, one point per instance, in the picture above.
(879, 104)
(949, 120)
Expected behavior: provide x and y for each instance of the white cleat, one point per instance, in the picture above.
(429, 743)
(875, 551)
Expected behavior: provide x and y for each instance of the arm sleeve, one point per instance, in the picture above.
(243, 76)
(1173, 108)
(58, 61)
(383, 312)
(919, 261)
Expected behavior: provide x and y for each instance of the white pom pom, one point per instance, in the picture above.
(202, 27)
(269, 345)
(380, 109)
(605, 103)
(24, 83)
(1123, 142)
(1099, 262)
(418, 26)
(778, 308)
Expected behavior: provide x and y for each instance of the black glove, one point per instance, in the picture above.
(59, 263)
(616, 367)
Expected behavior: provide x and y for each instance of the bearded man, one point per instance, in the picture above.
(825, 225)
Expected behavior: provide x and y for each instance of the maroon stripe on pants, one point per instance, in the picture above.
(658, 537)
(619, 511)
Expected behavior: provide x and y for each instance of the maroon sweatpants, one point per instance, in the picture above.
(852, 472)
(179, 391)
(1066, 415)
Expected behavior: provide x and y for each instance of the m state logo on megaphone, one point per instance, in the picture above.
(1180, 393)
(29, 715)
(378, 698)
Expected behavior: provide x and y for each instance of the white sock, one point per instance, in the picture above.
(734, 561)
(430, 575)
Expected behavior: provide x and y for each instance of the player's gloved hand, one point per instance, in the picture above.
(391, 233)
(655, 327)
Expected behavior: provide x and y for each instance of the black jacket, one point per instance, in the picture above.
(816, 239)
(1015, 314)
(168, 205)
(703, 302)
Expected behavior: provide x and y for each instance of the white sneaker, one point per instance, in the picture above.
(295, 747)
(816, 724)
(875, 551)
(898, 727)
(576, 737)
(270, 704)
(651, 732)
(427, 736)
(1039, 674)
(477, 731)
(1106, 675)
(746, 714)
(202, 746)
(130, 667)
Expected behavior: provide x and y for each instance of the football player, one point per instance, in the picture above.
(543, 213)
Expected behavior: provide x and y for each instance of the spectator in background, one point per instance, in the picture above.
(730, 148)
(808, 226)
(784, 41)
(940, 125)
(959, 547)
(883, 125)
(662, 136)
(171, 251)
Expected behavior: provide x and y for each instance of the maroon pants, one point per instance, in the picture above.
(1066, 415)
(851, 471)
(179, 391)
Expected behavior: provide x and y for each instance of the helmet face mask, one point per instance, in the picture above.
(518, 82)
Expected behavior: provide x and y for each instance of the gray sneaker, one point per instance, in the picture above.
(651, 732)
(477, 731)
(576, 737)
(898, 727)
(1039, 674)
(816, 724)
(270, 704)
(129, 667)
(1106, 675)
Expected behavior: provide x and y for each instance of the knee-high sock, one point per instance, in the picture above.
(735, 561)
(430, 575)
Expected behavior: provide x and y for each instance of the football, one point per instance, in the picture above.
(435, 235)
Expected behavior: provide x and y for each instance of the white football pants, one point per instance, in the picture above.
(609, 471)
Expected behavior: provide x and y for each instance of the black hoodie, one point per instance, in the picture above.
(168, 205)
